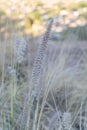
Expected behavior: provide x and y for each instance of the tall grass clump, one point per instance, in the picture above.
(35, 87)
(51, 92)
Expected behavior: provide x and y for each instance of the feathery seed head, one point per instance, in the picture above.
(38, 62)
(11, 71)
(20, 47)
(67, 120)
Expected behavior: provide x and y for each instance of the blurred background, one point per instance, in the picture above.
(30, 17)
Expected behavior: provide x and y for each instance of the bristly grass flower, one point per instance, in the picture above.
(35, 88)
(38, 63)
(20, 47)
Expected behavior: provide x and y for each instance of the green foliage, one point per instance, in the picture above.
(2, 13)
(53, 12)
(82, 4)
(79, 5)
(32, 18)
(84, 15)
(79, 32)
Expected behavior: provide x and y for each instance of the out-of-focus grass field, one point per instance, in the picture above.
(31, 16)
